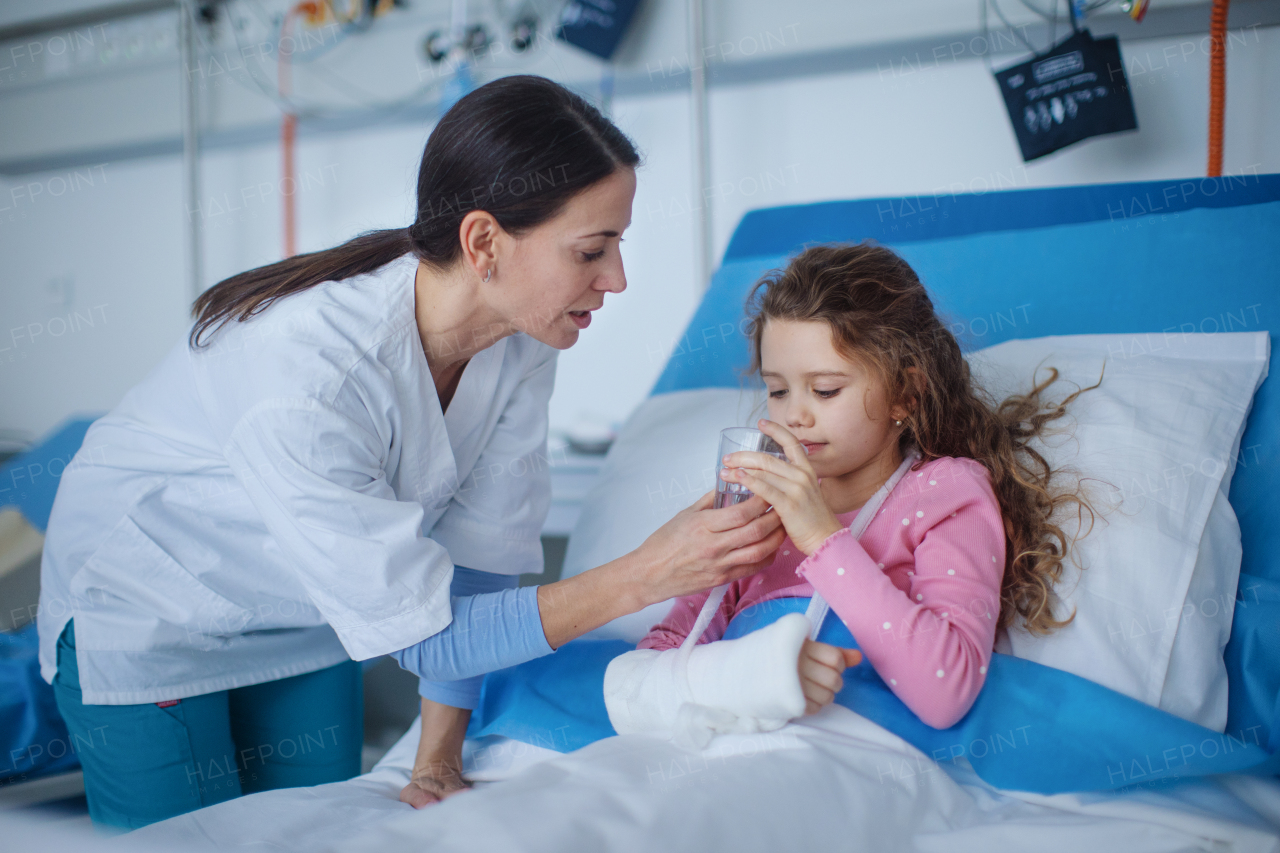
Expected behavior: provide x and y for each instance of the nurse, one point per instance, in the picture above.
(346, 458)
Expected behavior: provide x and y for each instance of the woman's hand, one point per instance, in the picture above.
(821, 667)
(437, 768)
(699, 548)
(791, 489)
(432, 781)
(703, 547)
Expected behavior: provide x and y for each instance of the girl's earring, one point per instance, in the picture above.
(897, 423)
(488, 274)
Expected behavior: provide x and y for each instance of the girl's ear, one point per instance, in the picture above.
(914, 383)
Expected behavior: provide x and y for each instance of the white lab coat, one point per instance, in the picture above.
(292, 496)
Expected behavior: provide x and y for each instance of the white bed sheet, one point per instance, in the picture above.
(832, 781)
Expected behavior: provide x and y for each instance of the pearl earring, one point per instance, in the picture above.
(897, 423)
(488, 274)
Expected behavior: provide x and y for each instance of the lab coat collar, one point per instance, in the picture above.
(433, 442)
(468, 410)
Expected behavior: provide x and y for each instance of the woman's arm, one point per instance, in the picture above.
(699, 548)
(496, 630)
(490, 631)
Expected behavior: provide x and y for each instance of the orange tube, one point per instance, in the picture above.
(288, 129)
(1217, 82)
(288, 132)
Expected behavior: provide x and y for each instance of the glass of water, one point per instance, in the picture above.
(732, 440)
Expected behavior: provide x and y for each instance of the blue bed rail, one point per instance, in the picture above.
(33, 735)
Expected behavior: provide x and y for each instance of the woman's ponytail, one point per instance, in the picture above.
(245, 294)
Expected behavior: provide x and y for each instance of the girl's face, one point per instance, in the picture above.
(838, 409)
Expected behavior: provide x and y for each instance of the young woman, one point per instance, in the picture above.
(346, 438)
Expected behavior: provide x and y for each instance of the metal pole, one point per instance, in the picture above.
(701, 148)
(191, 148)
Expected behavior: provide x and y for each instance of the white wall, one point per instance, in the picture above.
(118, 237)
(885, 133)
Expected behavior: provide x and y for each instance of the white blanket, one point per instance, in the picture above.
(833, 781)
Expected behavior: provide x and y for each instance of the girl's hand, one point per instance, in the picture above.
(820, 668)
(791, 489)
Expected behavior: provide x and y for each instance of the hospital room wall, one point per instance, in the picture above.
(895, 131)
(93, 289)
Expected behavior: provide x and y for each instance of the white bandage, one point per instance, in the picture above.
(751, 684)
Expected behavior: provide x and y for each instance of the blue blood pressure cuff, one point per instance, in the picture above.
(596, 26)
(1076, 90)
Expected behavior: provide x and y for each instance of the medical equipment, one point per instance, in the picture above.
(1074, 91)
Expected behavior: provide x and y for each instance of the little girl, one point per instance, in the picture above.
(860, 374)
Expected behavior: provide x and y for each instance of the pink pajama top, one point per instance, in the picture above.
(920, 592)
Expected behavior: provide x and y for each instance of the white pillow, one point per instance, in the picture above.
(1158, 442)
(663, 460)
(1195, 686)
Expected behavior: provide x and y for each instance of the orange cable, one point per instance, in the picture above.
(1217, 82)
(288, 132)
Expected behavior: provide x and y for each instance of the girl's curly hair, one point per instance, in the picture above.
(881, 316)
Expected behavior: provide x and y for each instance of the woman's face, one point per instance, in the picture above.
(552, 277)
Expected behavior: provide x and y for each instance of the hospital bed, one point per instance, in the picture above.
(1124, 258)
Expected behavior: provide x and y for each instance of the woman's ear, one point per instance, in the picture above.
(478, 233)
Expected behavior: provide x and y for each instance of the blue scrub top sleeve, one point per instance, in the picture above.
(489, 632)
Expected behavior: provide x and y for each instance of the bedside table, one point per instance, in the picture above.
(572, 476)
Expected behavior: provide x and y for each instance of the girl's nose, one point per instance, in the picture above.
(798, 415)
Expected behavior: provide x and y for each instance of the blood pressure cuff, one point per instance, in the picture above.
(1076, 90)
(596, 26)
(1032, 728)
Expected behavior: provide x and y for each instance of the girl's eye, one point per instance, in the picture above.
(779, 394)
(593, 256)
(826, 395)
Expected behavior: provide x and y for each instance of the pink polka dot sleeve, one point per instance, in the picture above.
(927, 624)
(671, 631)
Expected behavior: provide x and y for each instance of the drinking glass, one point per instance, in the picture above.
(732, 440)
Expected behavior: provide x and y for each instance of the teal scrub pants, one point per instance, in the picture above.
(144, 763)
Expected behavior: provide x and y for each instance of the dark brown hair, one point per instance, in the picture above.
(881, 316)
(519, 147)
